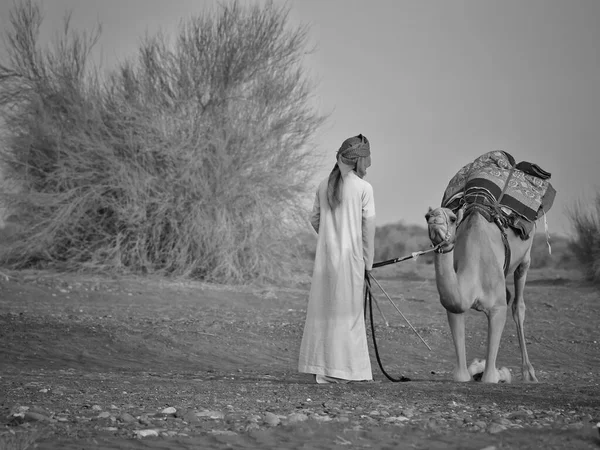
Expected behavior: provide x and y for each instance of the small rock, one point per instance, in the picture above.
(104, 415)
(272, 419)
(223, 432)
(190, 417)
(489, 447)
(396, 419)
(170, 411)
(255, 418)
(408, 412)
(432, 424)
(494, 428)
(502, 421)
(144, 420)
(146, 433)
(39, 410)
(251, 427)
(181, 412)
(216, 415)
(320, 418)
(96, 408)
(297, 417)
(481, 424)
(127, 418)
(30, 416)
(521, 414)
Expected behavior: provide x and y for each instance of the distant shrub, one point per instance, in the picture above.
(191, 160)
(557, 256)
(585, 244)
(398, 240)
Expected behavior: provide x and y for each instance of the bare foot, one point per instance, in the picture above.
(324, 379)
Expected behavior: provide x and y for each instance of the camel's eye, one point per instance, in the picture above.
(452, 219)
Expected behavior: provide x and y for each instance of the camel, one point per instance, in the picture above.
(471, 274)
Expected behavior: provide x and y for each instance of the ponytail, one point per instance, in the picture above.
(334, 188)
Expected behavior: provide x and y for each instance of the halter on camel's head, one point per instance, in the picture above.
(441, 224)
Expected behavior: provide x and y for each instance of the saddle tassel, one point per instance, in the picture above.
(547, 234)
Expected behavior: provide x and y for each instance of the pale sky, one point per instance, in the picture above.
(433, 84)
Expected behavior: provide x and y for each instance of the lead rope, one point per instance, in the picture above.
(369, 306)
(369, 303)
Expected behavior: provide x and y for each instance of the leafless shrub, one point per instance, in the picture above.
(585, 244)
(190, 160)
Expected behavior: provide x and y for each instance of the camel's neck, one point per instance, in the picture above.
(455, 285)
(448, 284)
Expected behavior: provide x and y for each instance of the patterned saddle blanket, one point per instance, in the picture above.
(522, 190)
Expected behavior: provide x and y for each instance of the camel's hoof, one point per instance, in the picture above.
(505, 375)
(462, 377)
(476, 368)
(529, 375)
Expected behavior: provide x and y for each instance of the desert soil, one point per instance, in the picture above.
(117, 363)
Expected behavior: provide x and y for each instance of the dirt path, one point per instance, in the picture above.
(100, 363)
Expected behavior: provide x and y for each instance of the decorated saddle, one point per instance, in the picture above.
(521, 190)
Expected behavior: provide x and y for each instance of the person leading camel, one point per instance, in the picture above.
(334, 344)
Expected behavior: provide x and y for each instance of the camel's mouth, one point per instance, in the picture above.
(439, 224)
(438, 233)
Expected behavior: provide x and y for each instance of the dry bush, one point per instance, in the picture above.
(399, 240)
(19, 439)
(190, 160)
(558, 256)
(585, 244)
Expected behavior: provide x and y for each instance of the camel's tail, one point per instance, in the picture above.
(508, 296)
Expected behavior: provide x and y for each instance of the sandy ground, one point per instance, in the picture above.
(97, 362)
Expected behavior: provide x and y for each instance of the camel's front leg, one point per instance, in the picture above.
(457, 328)
(518, 313)
(496, 321)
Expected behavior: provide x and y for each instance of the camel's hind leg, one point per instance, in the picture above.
(518, 312)
(457, 328)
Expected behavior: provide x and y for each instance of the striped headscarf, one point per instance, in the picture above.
(352, 152)
(354, 148)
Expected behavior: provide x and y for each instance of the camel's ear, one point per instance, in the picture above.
(428, 213)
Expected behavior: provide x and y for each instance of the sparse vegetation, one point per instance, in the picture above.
(585, 244)
(399, 239)
(190, 160)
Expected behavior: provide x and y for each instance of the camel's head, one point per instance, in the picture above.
(441, 223)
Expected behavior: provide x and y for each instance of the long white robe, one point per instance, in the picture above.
(334, 342)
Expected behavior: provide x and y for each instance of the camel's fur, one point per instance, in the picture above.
(471, 276)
